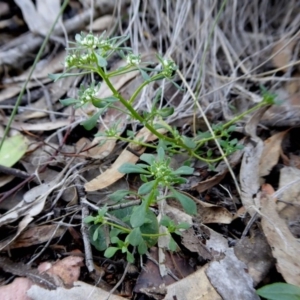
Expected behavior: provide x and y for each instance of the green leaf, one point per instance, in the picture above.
(118, 195)
(142, 248)
(280, 291)
(129, 257)
(188, 142)
(55, 77)
(148, 158)
(68, 101)
(184, 170)
(123, 214)
(134, 237)
(96, 234)
(145, 76)
(138, 216)
(177, 86)
(128, 168)
(92, 121)
(146, 187)
(183, 225)
(166, 112)
(187, 203)
(115, 240)
(12, 150)
(150, 227)
(160, 154)
(89, 219)
(101, 60)
(166, 221)
(110, 252)
(99, 103)
(172, 245)
(100, 242)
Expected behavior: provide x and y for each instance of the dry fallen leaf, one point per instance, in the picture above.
(255, 252)
(36, 235)
(235, 281)
(284, 55)
(271, 153)
(196, 286)
(68, 269)
(80, 291)
(289, 193)
(285, 247)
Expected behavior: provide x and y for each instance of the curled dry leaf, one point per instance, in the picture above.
(285, 247)
(271, 153)
(68, 269)
(249, 171)
(210, 213)
(37, 235)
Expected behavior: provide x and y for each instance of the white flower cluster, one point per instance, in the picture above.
(169, 67)
(88, 94)
(70, 60)
(133, 59)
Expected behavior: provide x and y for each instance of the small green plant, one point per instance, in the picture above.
(279, 291)
(137, 226)
(140, 228)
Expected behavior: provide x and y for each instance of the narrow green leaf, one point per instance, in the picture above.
(184, 170)
(68, 101)
(99, 103)
(280, 291)
(128, 168)
(145, 76)
(150, 227)
(172, 245)
(101, 60)
(12, 150)
(55, 77)
(111, 99)
(100, 242)
(187, 203)
(95, 235)
(148, 158)
(115, 240)
(118, 195)
(161, 154)
(110, 252)
(134, 237)
(166, 112)
(89, 219)
(183, 225)
(90, 123)
(146, 187)
(138, 216)
(165, 221)
(188, 142)
(142, 248)
(129, 257)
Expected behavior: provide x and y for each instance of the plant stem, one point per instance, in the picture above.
(235, 119)
(130, 108)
